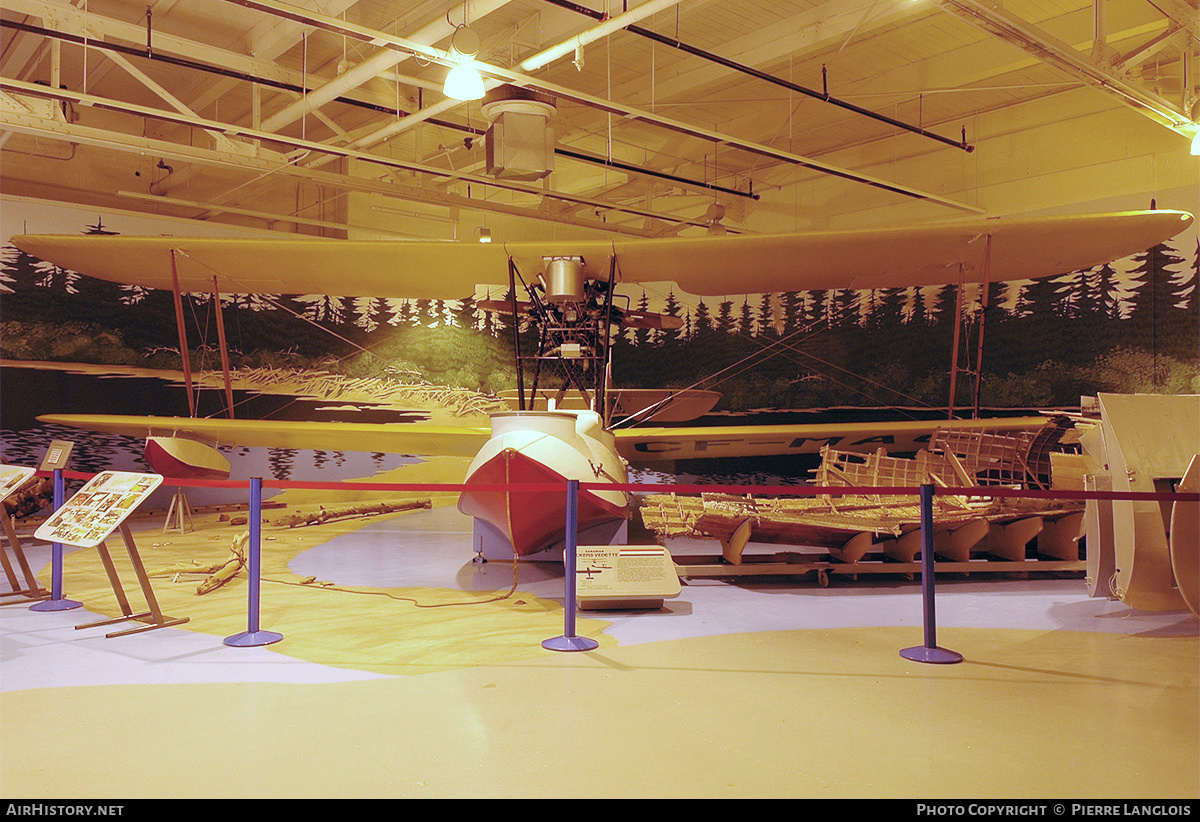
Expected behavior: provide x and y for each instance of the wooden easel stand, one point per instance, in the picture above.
(154, 617)
(32, 590)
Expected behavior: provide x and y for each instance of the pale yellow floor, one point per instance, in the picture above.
(463, 702)
(785, 714)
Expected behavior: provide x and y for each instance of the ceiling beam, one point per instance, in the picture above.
(733, 65)
(175, 152)
(162, 54)
(504, 75)
(95, 26)
(997, 21)
(383, 60)
(27, 123)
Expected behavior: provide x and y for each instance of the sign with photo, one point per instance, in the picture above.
(13, 477)
(91, 515)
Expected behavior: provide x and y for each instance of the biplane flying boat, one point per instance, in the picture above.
(569, 294)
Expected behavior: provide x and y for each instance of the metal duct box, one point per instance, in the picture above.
(520, 146)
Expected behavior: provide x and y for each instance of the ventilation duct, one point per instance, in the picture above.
(520, 139)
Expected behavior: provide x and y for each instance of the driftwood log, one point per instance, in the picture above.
(218, 572)
(228, 570)
(362, 510)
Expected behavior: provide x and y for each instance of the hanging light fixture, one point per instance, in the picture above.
(463, 82)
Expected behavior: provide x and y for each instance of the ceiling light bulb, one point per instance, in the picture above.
(463, 82)
(1196, 143)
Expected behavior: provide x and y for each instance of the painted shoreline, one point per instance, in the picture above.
(445, 405)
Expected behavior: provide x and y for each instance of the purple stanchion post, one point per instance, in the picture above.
(253, 636)
(568, 641)
(929, 652)
(56, 601)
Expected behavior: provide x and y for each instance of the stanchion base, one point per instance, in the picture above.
(937, 656)
(570, 643)
(250, 639)
(56, 605)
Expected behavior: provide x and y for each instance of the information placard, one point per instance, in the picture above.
(91, 515)
(13, 477)
(624, 576)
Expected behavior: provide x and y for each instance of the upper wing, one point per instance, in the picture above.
(1014, 249)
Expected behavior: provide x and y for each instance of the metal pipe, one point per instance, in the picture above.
(927, 566)
(1008, 27)
(607, 27)
(254, 636)
(929, 651)
(373, 66)
(283, 86)
(56, 549)
(659, 175)
(57, 601)
(569, 641)
(254, 551)
(761, 75)
(21, 87)
(501, 74)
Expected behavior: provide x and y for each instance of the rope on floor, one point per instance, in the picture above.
(415, 602)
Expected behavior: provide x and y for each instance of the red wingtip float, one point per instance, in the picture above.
(182, 458)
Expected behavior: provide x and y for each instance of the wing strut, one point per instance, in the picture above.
(516, 319)
(983, 306)
(183, 345)
(977, 372)
(224, 349)
(958, 319)
(604, 364)
(181, 330)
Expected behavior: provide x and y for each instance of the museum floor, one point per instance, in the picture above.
(414, 672)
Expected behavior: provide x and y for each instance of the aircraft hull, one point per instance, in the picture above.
(540, 448)
(182, 458)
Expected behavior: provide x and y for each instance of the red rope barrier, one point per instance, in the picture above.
(761, 490)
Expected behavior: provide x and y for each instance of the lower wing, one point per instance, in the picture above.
(391, 438)
(634, 445)
(664, 444)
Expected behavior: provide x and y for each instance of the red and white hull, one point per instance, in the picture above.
(181, 458)
(538, 448)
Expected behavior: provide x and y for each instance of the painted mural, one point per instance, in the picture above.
(1127, 326)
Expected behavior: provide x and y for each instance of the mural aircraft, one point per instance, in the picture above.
(569, 296)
